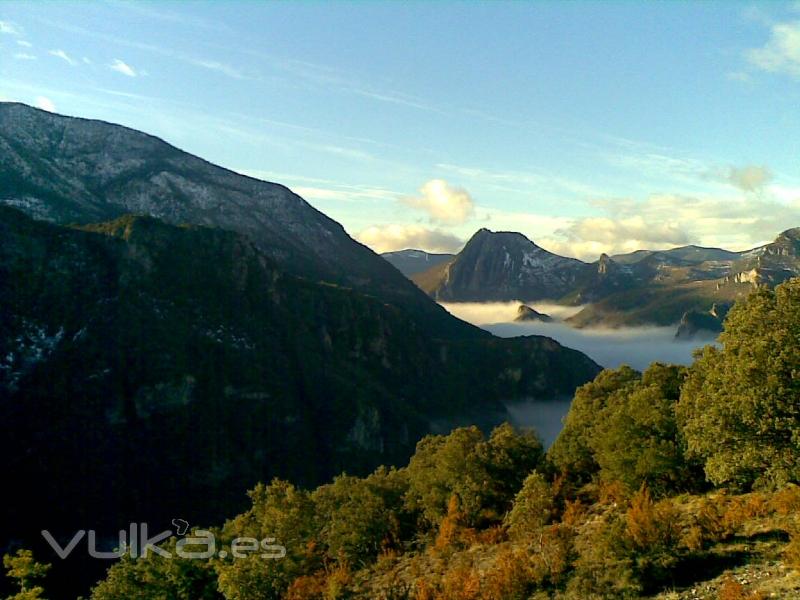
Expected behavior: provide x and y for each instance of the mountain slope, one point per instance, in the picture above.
(502, 266)
(70, 170)
(149, 371)
(411, 262)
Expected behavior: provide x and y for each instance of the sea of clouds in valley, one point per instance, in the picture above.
(634, 346)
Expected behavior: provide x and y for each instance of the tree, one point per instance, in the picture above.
(285, 514)
(739, 409)
(572, 452)
(636, 439)
(26, 572)
(533, 507)
(360, 517)
(483, 474)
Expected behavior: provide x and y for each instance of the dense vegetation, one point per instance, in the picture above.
(149, 372)
(625, 504)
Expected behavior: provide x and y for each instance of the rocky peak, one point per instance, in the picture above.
(526, 313)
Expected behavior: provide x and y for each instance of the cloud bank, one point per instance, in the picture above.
(400, 237)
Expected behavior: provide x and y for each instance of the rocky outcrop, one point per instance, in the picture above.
(503, 266)
(696, 323)
(525, 313)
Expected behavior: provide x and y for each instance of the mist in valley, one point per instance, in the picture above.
(637, 347)
(610, 348)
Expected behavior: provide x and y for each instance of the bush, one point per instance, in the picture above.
(533, 507)
(483, 474)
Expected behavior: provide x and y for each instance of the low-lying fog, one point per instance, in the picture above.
(634, 346)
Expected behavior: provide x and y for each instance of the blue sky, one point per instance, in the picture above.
(589, 127)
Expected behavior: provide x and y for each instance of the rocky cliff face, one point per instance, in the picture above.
(641, 288)
(504, 266)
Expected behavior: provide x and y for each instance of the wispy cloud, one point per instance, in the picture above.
(9, 28)
(122, 67)
(24, 56)
(64, 56)
(24, 43)
(201, 62)
(213, 65)
(520, 181)
(781, 52)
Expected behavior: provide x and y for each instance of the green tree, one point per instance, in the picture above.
(533, 507)
(636, 439)
(739, 409)
(360, 517)
(286, 514)
(26, 572)
(572, 451)
(158, 577)
(482, 474)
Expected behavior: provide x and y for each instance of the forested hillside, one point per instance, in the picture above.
(673, 483)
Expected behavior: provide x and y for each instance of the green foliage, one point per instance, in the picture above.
(482, 474)
(533, 507)
(572, 452)
(636, 438)
(280, 511)
(738, 409)
(360, 517)
(26, 572)
(604, 569)
(158, 578)
(623, 428)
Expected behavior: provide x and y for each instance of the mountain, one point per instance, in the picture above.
(680, 286)
(150, 371)
(70, 170)
(526, 314)
(689, 254)
(411, 262)
(172, 332)
(501, 266)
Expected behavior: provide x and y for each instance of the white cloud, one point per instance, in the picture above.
(781, 53)
(64, 56)
(24, 43)
(400, 237)
(751, 178)
(444, 203)
(9, 28)
(45, 103)
(24, 56)
(220, 67)
(122, 67)
(669, 220)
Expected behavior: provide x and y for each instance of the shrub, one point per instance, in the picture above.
(733, 590)
(533, 507)
(510, 578)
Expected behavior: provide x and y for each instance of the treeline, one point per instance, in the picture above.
(650, 471)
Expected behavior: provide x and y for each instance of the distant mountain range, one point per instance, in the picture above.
(160, 363)
(691, 285)
(411, 262)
